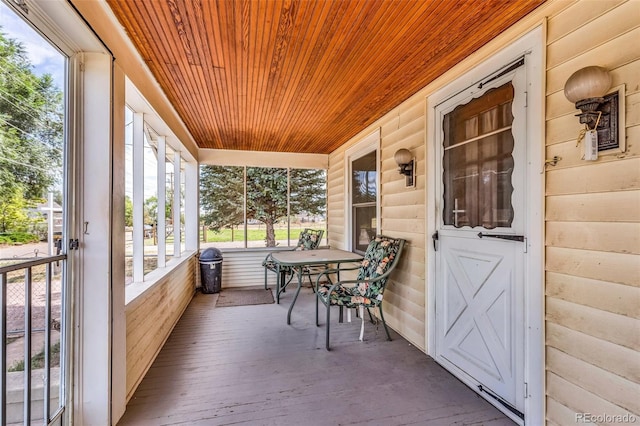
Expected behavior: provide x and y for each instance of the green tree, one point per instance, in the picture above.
(31, 128)
(151, 210)
(308, 191)
(222, 189)
(267, 198)
(13, 210)
(128, 211)
(221, 196)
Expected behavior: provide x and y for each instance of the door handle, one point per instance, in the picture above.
(502, 237)
(434, 237)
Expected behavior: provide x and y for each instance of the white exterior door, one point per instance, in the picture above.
(480, 241)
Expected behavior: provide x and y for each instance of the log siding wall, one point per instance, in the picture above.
(592, 224)
(152, 316)
(592, 214)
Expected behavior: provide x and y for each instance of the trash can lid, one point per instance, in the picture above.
(210, 255)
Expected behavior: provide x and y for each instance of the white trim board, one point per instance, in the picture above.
(229, 157)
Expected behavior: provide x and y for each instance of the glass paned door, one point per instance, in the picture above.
(479, 280)
(33, 217)
(478, 161)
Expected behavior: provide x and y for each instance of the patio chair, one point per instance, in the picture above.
(366, 291)
(309, 240)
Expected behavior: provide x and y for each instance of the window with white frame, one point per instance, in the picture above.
(128, 200)
(155, 208)
(182, 210)
(169, 199)
(362, 193)
(245, 207)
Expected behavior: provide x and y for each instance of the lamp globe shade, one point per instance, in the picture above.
(588, 82)
(402, 156)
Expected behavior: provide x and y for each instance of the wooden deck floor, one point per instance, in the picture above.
(245, 365)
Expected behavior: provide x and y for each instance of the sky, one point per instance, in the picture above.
(45, 58)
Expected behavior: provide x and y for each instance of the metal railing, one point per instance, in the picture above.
(41, 283)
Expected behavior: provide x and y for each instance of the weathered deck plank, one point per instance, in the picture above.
(245, 365)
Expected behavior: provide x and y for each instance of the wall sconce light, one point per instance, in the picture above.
(587, 88)
(406, 161)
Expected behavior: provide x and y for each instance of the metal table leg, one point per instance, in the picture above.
(278, 280)
(295, 296)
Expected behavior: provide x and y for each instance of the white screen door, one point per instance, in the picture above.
(480, 238)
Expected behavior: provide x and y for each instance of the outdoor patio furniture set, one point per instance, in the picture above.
(365, 291)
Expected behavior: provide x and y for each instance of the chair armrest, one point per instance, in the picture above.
(336, 270)
(329, 271)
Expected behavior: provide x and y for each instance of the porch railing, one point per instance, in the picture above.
(31, 303)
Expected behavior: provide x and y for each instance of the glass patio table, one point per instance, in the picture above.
(300, 259)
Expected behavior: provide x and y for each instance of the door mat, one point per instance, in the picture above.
(241, 297)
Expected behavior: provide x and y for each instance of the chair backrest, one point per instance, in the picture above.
(309, 239)
(380, 259)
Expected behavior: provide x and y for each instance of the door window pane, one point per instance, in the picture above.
(478, 161)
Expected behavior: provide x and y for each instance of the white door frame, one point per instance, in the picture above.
(531, 45)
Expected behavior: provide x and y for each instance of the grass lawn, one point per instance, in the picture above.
(255, 234)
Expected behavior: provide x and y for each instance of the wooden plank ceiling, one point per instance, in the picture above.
(302, 75)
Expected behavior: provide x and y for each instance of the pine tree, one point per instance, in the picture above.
(222, 196)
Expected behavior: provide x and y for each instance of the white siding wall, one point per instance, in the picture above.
(592, 224)
(244, 269)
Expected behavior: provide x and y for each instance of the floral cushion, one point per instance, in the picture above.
(309, 239)
(347, 296)
(379, 256)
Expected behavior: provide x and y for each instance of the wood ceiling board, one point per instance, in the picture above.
(302, 76)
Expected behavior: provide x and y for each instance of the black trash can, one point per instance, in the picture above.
(211, 270)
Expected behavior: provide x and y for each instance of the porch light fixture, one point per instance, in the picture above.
(406, 161)
(587, 88)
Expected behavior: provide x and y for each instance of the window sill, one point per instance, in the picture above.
(259, 249)
(137, 289)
